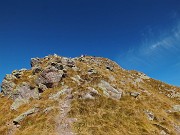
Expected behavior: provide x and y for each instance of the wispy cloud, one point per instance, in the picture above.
(157, 55)
(154, 49)
(170, 42)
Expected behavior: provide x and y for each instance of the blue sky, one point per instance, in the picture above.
(138, 34)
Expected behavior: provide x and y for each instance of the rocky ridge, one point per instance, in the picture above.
(86, 95)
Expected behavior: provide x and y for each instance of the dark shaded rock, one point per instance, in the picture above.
(109, 67)
(58, 66)
(36, 70)
(41, 88)
(17, 73)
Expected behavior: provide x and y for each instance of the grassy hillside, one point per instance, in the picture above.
(87, 96)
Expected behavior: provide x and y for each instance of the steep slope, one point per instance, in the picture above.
(86, 96)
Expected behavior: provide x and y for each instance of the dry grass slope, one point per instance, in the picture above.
(102, 115)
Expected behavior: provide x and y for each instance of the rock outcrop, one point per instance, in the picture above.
(86, 95)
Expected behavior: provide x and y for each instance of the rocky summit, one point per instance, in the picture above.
(86, 96)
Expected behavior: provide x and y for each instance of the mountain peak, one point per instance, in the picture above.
(86, 95)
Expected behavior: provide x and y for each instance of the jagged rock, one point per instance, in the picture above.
(68, 62)
(88, 79)
(17, 73)
(58, 66)
(150, 115)
(49, 77)
(134, 94)
(35, 62)
(109, 91)
(24, 115)
(36, 70)
(25, 91)
(41, 87)
(18, 102)
(90, 94)
(7, 87)
(176, 108)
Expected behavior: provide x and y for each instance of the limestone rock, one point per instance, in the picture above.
(91, 94)
(7, 87)
(176, 108)
(49, 77)
(18, 102)
(24, 115)
(24, 90)
(35, 62)
(109, 91)
(134, 94)
(88, 96)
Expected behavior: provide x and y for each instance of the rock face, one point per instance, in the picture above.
(86, 95)
(8, 85)
(49, 77)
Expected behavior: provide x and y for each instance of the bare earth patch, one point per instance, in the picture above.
(64, 124)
